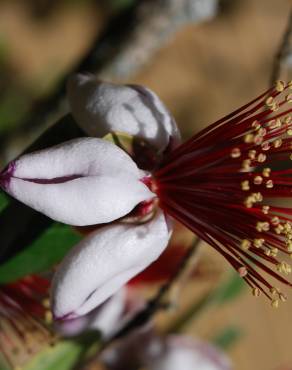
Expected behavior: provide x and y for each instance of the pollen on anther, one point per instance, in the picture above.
(261, 157)
(265, 209)
(245, 244)
(275, 221)
(262, 226)
(280, 85)
(277, 143)
(266, 172)
(235, 153)
(256, 292)
(269, 184)
(245, 185)
(258, 180)
(258, 243)
(252, 154)
(275, 303)
(242, 271)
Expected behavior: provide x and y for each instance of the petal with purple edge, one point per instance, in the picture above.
(81, 182)
(103, 262)
(101, 107)
(105, 318)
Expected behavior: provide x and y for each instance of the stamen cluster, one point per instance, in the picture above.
(23, 312)
(228, 182)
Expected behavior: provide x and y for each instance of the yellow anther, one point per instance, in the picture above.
(284, 268)
(258, 180)
(268, 252)
(261, 157)
(269, 184)
(270, 101)
(289, 132)
(246, 164)
(287, 120)
(277, 143)
(280, 85)
(265, 209)
(46, 303)
(282, 297)
(242, 271)
(290, 84)
(48, 317)
(273, 291)
(290, 157)
(275, 221)
(262, 226)
(262, 131)
(235, 153)
(258, 197)
(256, 292)
(245, 244)
(258, 139)
(252, 154)
(289, 246)
(258, 243)
(266, 172)
(266, 146)
(279, 229)
(275, 107)
(274, 252)
(249, 138)
(275, 303)
(256, 125)
(289, 98)
(245, 185)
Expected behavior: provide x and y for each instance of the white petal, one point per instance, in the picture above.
(84, 156)
(103, 262)
(186, 353)
(81, 182)
(83, 201)
(100, 108)
(105, 318)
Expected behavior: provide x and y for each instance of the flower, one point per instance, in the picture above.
(23, 313)
(107, 318)
(220, 184)
(225, 184)
(91, 181)
(145, 348)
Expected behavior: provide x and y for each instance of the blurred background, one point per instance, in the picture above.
(202, 63)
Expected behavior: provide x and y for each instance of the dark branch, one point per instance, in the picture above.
(281, 52)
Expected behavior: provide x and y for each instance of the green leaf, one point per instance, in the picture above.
(61, 356)
(227, 337)
(41, 255)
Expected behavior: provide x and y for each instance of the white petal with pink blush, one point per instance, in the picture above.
(182, 352)
(103, 262)
(105, 318)
(101, 107)
(81, 182)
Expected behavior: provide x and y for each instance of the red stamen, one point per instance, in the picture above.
(224, 184)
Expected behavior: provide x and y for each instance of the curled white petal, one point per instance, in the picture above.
(103, 262)
(105, 318)
(101, 107)
(81, 182)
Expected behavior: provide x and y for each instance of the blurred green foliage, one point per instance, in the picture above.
(41, 255)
